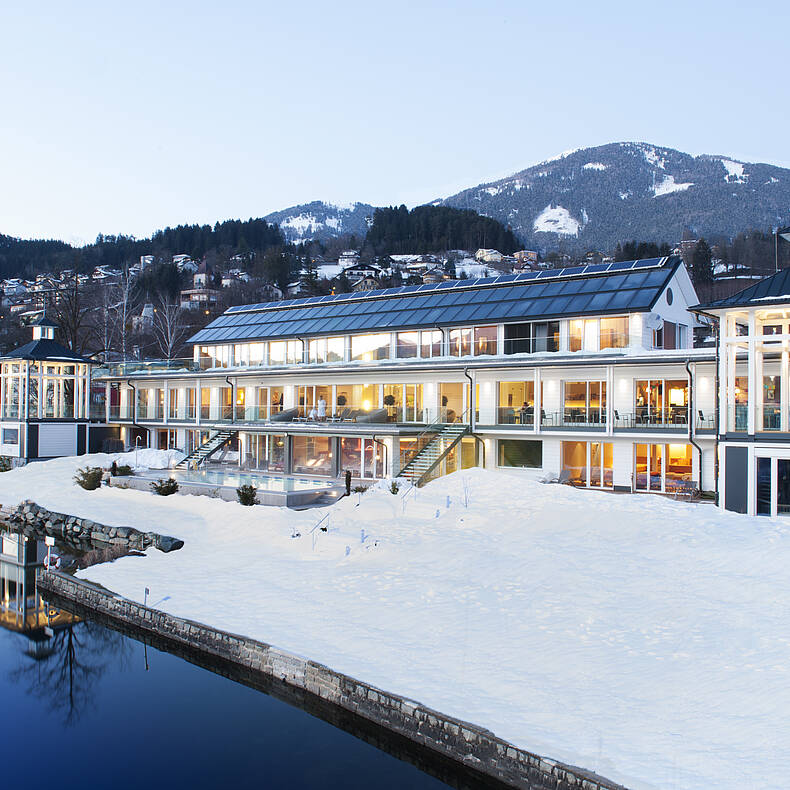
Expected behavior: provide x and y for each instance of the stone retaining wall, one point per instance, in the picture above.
(29, 514)
(452, 738)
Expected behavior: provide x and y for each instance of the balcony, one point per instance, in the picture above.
(574, 418)
(137, 367)
(643, 418)
(151, 414)
(507, 415)
(182, 414)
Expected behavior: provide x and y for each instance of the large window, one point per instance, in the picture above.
(460, 342)
(285, 352)
(521, 453)
(403, 402)
(268, 401)
(661, 402)
(592, 334)
(407, 345)
(485, 340)
(584, 402)
(516, 403)
(257, 353)
(583, 334)
(362, 457)
(531, 338)
(589, 463)
(614, 332)
(367, 348)
(772, 412)
(326, 349)
(353, 398)
(266, 451)
(661, 467)
(430, 343)
(312, 455)
(313, 402)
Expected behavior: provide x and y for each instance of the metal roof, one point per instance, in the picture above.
(595, 289)
(772, 290)
(45, 350)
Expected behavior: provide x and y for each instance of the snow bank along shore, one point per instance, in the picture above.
(639, 637)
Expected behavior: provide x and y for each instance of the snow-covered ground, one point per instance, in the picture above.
(668, 185)
(637, 636)
(556, 219)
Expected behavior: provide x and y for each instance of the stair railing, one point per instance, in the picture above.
(435, 429)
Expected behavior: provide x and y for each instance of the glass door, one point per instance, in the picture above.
(649, 467)
(782, 487)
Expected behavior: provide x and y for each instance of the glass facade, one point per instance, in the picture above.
(661, 402)
(584, 402)
(265, 451)
(312, 455)
(367, 348)
(516, 403)
(661, 467)
(460, 342)
(589, 463)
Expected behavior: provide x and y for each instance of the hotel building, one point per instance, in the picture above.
(587, 374)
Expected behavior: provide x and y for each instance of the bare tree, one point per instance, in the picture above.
(124, 301)
(104, 319)
(169, 327)
(72, 314)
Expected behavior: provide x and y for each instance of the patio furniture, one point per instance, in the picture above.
(285, 416)
(378, 415)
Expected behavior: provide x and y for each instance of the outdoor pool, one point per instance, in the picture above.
(234, 479)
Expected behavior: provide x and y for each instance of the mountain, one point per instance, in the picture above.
(594, 198)
(322, 221)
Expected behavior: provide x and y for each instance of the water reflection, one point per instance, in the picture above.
(65, 675)
(67, 656)
(73, 681)
(21, 607)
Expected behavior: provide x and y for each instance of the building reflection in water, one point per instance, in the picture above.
(69, 655)
(21, 607)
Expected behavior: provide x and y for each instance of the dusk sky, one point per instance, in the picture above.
(127, 117)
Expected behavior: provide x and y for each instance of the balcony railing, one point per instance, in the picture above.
(182, 414)
(772, 418)
(131, 367)
(155, 414)
(574, 418)
(507, 415)
(645, 418)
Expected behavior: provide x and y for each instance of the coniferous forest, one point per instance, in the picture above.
(436, 229)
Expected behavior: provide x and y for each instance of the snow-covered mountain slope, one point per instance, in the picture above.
(322, 221)
(597, 197)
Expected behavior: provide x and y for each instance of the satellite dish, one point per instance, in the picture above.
(654, 321)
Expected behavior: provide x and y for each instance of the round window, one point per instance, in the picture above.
(670, 296)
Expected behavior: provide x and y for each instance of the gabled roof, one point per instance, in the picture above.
(595, 289)
(44, 350)
(772, 290)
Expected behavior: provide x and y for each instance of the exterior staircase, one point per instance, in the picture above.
(208, 448)
(439, 442)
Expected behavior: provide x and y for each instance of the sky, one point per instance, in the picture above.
(128, 117)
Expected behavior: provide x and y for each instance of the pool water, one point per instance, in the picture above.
(217, 477)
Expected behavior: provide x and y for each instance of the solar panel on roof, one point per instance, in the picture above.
(580, 289)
